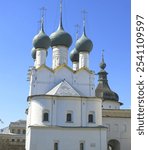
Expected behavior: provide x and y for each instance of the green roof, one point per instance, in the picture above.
(60, 37)
(84, 44)
(74, 55)
(41, 40)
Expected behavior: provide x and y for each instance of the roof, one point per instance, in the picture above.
(116, 113)
(70, 127)
(63, 89)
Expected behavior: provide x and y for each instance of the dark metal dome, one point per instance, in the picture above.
(41, 40)
(33, 53)
(74, 55)
(84, 44)
(60, 37)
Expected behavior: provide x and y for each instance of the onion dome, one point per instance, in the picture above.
(84, 44)
(41, 40)
(103, 90)
(33, 53)
(102, 64)
(60, 37)
(74, 55)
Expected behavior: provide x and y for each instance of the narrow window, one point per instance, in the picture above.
(69, 117)
(13, 131)
(24, 131)
(81, 146)
(13, 140)
(45, 116)
(55, 146)
(90, 118)
(18, 131)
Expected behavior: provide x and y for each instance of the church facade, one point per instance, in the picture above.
(64, 106)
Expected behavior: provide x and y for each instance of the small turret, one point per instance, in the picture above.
(103, 91)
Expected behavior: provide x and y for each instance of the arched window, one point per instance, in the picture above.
(24, 131)
(18, 131)
(113, 145)
(91, 117)
(45, 116)
(56, 146)
(81, 146)
(69, 117)
(13, 140)
(13, 131)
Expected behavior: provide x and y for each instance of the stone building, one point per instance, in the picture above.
(65, 109)
(13, 137)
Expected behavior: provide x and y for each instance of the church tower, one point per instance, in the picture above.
(63, 111)
(110, 99)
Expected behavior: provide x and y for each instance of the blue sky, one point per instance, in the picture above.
(107, 25)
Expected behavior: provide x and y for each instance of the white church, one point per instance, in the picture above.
(66, 111)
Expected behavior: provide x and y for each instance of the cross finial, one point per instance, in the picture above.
(43, 10)
(102, 55)
(84, 12)
(77, 26)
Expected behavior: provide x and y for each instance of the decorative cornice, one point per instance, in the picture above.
(45, 67)
(64, 66)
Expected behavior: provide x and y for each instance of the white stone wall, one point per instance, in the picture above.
(58, 107)
(119, 129)
(43, 80)
(68, 138)
(108, 104)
